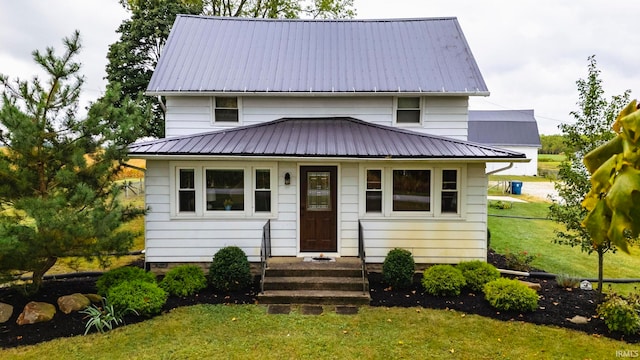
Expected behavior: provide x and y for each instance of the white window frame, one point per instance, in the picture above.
(382, 190)
(201, 189)
(421, 102)
(226, 123)
(436, 185)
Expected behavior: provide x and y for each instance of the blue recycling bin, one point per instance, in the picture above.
(516, 187)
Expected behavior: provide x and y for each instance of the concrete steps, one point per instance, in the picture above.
(295, 281)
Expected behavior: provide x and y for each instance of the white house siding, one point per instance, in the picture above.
(436, 240)
(442, 115)
(527, 169)
(431, 240)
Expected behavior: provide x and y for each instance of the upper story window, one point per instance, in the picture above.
(226, 109)
(408, 110)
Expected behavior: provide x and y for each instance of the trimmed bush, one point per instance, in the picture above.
(184, 280)
(619, 315)
(145, 298)
(443, 280)
(119, 275)
(477, 273)
(230, 270)
(398, 268)
(510, 295)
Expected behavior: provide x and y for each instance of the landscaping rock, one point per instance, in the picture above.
(579, 319)
(6, 311)
(35, 312)
(73, 302)
(530, 285)
(94, 298)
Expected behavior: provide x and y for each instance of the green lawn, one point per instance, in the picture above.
(247, 332)
(535, 237)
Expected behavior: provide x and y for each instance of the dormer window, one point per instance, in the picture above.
(226, 109)
(408, 110)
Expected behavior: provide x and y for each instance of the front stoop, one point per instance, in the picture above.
(294, 281)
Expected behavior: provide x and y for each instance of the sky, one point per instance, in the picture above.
(530, 52)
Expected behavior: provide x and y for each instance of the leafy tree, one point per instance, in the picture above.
(552, 144)
(134, 56)
(614, 200)
(591, 129)
(57, 196)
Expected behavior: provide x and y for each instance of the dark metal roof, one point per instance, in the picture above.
(503, 127)
(320, 137)
(217, 54)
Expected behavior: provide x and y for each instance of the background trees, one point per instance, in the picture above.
(591, 129)
(57, 196)
(134, 56)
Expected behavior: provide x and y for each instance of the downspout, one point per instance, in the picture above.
(501, 169)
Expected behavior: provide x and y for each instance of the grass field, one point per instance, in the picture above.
(536, 237)
(247, 332)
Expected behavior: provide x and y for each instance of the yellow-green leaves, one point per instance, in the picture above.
(614, 199)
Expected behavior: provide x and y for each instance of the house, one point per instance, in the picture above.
(330, 132)
(515, 130)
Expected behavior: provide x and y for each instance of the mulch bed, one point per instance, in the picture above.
(557, 305)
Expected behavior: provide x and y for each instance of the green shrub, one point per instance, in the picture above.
(477, 273)
(509, 294)
(398, 268)
(119, 275)
(184, 280)
(443, 280)
(143, 297)
(620, 315)
(520, 261)
(230, 270)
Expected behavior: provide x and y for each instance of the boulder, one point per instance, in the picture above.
(73, 302)
(94, 298)
(6, 311)
(35, 312)
(531, 285)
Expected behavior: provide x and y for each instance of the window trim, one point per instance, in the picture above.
(436, 192)
(421, 103)
(225, 123)
(381, 190)
(200, 168)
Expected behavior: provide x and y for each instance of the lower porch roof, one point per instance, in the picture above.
(335, 137)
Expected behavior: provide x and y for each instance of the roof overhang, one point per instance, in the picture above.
(312, 93)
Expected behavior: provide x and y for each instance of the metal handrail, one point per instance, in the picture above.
(265, 251)
(362, 256)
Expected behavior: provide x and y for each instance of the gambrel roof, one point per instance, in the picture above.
(239, 55)
(504, 127)
(320, 137)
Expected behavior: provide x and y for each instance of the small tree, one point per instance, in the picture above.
(57, 196)
(591, 129)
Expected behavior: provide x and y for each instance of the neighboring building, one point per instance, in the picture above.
(318, 127)
(515, 130)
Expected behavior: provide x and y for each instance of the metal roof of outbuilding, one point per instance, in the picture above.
(237, 55)
(503, 127)
(341, 137)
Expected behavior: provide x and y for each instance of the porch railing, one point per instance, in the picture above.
(265, 251)
(362, 255)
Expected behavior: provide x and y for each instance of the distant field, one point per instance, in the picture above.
(548, 165)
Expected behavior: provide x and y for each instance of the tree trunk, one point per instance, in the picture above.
(38, 273)
(600, 271)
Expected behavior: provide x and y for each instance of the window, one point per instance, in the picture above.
(225, 190)
(262, 195)
(226, 109)
(186, 191)
(408, 110)
(449, 195)
(374, 191)
(411, 190)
